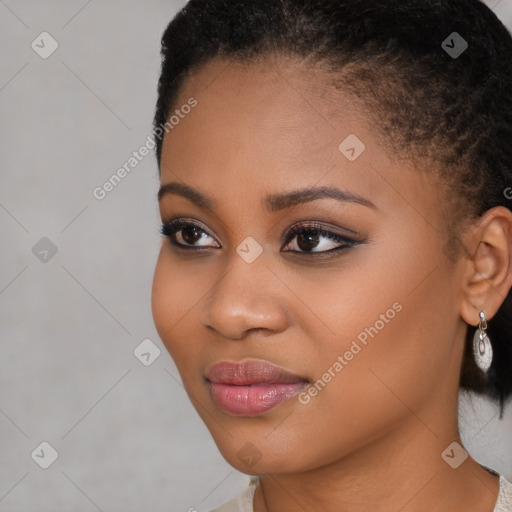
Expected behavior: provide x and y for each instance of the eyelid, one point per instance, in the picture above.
(325, 227)
(179, 219)
(342, 240)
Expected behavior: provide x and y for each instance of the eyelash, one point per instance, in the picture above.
(173, 226)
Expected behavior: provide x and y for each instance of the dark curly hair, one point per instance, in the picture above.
(452, 112)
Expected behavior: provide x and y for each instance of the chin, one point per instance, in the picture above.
(256, 455)
(269, 464)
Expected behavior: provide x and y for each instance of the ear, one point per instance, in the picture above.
(487, 272)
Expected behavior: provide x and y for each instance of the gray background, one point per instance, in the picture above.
(126, 435)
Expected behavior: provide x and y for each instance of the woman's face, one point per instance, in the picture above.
(365, 326)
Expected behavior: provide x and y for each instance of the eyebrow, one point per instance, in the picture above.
(272, 202)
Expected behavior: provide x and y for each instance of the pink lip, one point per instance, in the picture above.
(251, 387)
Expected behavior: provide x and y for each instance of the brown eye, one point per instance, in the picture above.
(190, 235)
(307, 240)
(314, 239)
(186, 235)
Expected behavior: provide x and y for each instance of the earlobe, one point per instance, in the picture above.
(487, 276)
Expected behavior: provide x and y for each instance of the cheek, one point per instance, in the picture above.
(392, 364)
(394, 319)
(173, 298)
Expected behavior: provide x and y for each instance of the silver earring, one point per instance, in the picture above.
(482, 348)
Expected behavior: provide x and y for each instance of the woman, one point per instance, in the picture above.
(337, 257)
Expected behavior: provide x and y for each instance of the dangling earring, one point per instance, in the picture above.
(482, 348)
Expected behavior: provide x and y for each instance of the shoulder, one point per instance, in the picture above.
(504, 503)
(243, 502)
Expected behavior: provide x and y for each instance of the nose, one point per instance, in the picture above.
(248, 297)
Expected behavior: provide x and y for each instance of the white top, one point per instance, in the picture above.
(243, 502)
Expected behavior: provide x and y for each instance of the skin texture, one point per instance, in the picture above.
(372, 438)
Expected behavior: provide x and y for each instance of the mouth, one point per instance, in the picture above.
(251, 387)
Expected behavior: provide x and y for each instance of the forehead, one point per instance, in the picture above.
(274, 126)
(276, 117)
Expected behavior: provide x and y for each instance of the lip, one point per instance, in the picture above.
(251, 387)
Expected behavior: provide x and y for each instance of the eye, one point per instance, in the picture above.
(315, 238)
(302, 238)
(186, 235)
